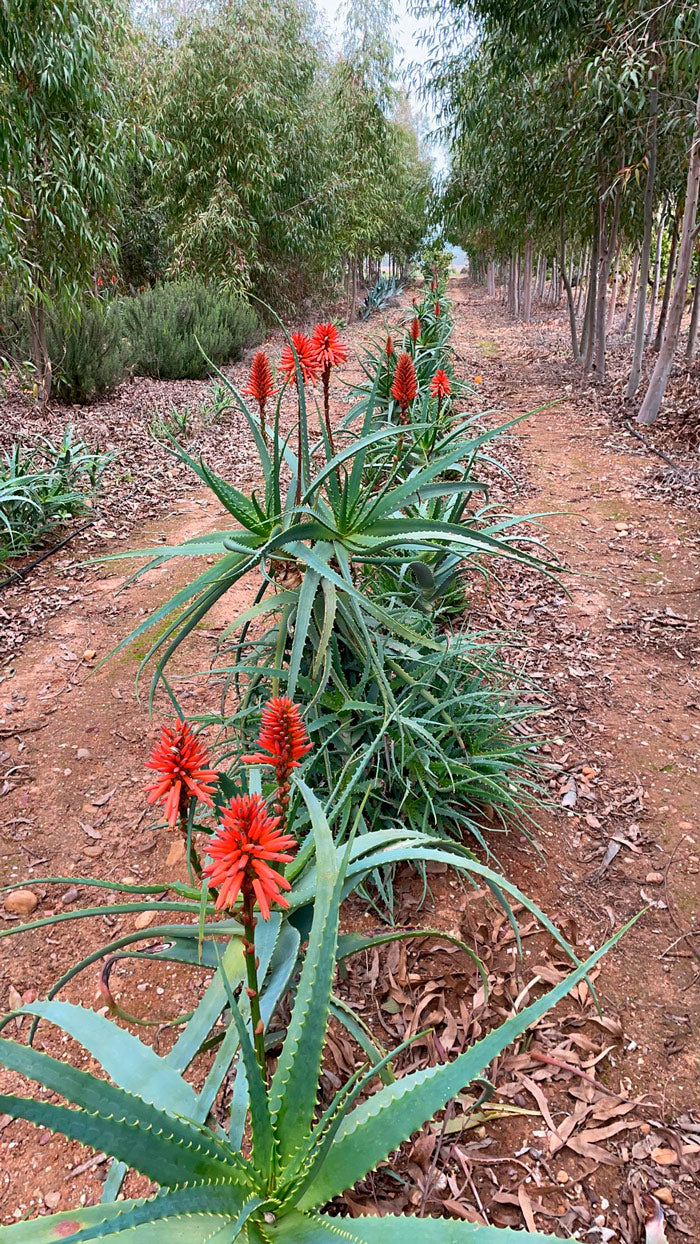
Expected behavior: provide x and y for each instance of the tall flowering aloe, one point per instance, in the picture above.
(246, 845)
(329, 352)
(260, 385)
(405, 387)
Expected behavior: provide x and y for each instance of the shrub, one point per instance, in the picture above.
(172, 327)
(88, 353)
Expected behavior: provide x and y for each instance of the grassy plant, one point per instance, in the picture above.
(42, 487)
(174, 423)
(179, 330)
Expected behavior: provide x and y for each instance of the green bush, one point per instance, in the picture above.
(172, 327)
(88, 354)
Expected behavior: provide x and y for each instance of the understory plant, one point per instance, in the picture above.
(42, 486)
(265, 1169)
(179, 330)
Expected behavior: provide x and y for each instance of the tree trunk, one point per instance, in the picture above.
(630, 296)
(589, 316)
(490, 280)
(569, 292)
(657, 277)
(670, 273)
(40, 354)
(606, 249)
(527, 283)
(636, 372)
(581, 279)
(613, 293)
(694, 320)
(659, 378)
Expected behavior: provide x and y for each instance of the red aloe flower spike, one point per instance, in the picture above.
(182, 764)
(389, 348)
(285, 742)
(437, 308)
(405, 386)
(440, 384)
(242, 852)
(329, 351)
(415, 328)
(308, 363)
(247, 842)
(432, 285)
(260, 385)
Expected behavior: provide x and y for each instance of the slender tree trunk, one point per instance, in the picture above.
(527, 283)
(636, 372)
(692, 345)
(668, 283)
(39, 350)
(589, 317)
(657, 277)
(659, 378)
(613, 293)
(627, 320)
(606, 248)
(581, 280)
(569, 292)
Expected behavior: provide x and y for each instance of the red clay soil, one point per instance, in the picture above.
(618, 658)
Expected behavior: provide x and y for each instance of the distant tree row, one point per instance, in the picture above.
(224, 140)
(574, 132)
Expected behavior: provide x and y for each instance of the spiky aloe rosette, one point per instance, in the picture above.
(152, 1119)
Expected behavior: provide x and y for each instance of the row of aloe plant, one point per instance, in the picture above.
(269, 863)
(368, 540)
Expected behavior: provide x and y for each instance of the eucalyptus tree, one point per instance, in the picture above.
(62, 153)
(240, 117)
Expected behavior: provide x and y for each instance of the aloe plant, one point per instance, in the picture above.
(298, 1156)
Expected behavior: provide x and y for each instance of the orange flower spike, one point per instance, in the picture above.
(405, 386)
(283, 742)
(246, 844)
(308, 363)
(181, 761)
(438, 308)
(329, 350)
(260, 385)
(389, 348)
(415, 328)
(440, 384)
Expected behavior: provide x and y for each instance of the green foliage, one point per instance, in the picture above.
(299, 1159)
(63, 150)
(382, 294)
(89, 352)
(173, 326)
(43, 487)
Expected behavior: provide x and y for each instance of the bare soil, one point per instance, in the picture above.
(615, 648)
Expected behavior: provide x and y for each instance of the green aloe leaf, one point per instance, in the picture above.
(72, 1226)
(320, 1229)
(159, 1152)
(132, 1065)
(388, 1118)
(294, 1085)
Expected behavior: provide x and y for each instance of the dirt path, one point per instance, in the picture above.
(621, 656)
(624, 677)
